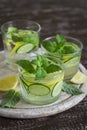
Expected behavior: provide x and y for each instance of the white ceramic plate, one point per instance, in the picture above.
(64, 102)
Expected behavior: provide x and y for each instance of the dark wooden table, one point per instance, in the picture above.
(68, 17)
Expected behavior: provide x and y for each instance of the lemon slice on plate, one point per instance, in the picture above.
(79, 78)
(8, 82)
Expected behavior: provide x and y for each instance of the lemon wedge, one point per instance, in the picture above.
(9, 82)
(79, 78)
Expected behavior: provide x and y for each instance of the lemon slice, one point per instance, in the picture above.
(8, 83)
(79, 78)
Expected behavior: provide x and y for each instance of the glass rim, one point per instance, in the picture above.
(20, 20)
(69, 37)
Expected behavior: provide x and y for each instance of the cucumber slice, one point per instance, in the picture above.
(25, 48)
(57, 89)
(39, 89)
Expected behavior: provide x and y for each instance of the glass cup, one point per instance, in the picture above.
(20, 37)
(7, 77)
(71, 59)
(43, 83)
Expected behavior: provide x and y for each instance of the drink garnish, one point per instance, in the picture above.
(11, 99)
(71, 89)
(40, 66)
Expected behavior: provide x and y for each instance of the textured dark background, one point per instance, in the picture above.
(68, 17)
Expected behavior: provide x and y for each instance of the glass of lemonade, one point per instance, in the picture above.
(20, 37)
(41, 79)
(66, 48)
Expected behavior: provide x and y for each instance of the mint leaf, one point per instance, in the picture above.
(16, 38)
(71, 89)
(30, 37)
(52, 68)
(39, 60)
(11, 99)
(40, 73)
(68, 49)
(34, 62)
(26, 38)
(60, 40)
(25, 64)
(50, 46)
(34, 38)
(42, 61)
(45, 61)
(12, 30)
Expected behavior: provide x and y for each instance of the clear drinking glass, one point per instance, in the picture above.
(69, 53)
(42, 84)
(7, 78)
(20, 37)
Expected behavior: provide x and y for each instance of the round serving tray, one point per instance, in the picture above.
(64, 102)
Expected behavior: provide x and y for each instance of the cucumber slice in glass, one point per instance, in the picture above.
(39, 89)
(57, 89)
(25, 48)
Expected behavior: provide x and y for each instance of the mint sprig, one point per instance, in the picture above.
(40, 63)
(71, 89)
(60, 40)
(11, 99)
(55, 45)
(26, 36)
(40, 73)
(39, 66)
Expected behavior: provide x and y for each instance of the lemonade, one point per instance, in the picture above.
(68, 49)
(20, 37)
(41, 79)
